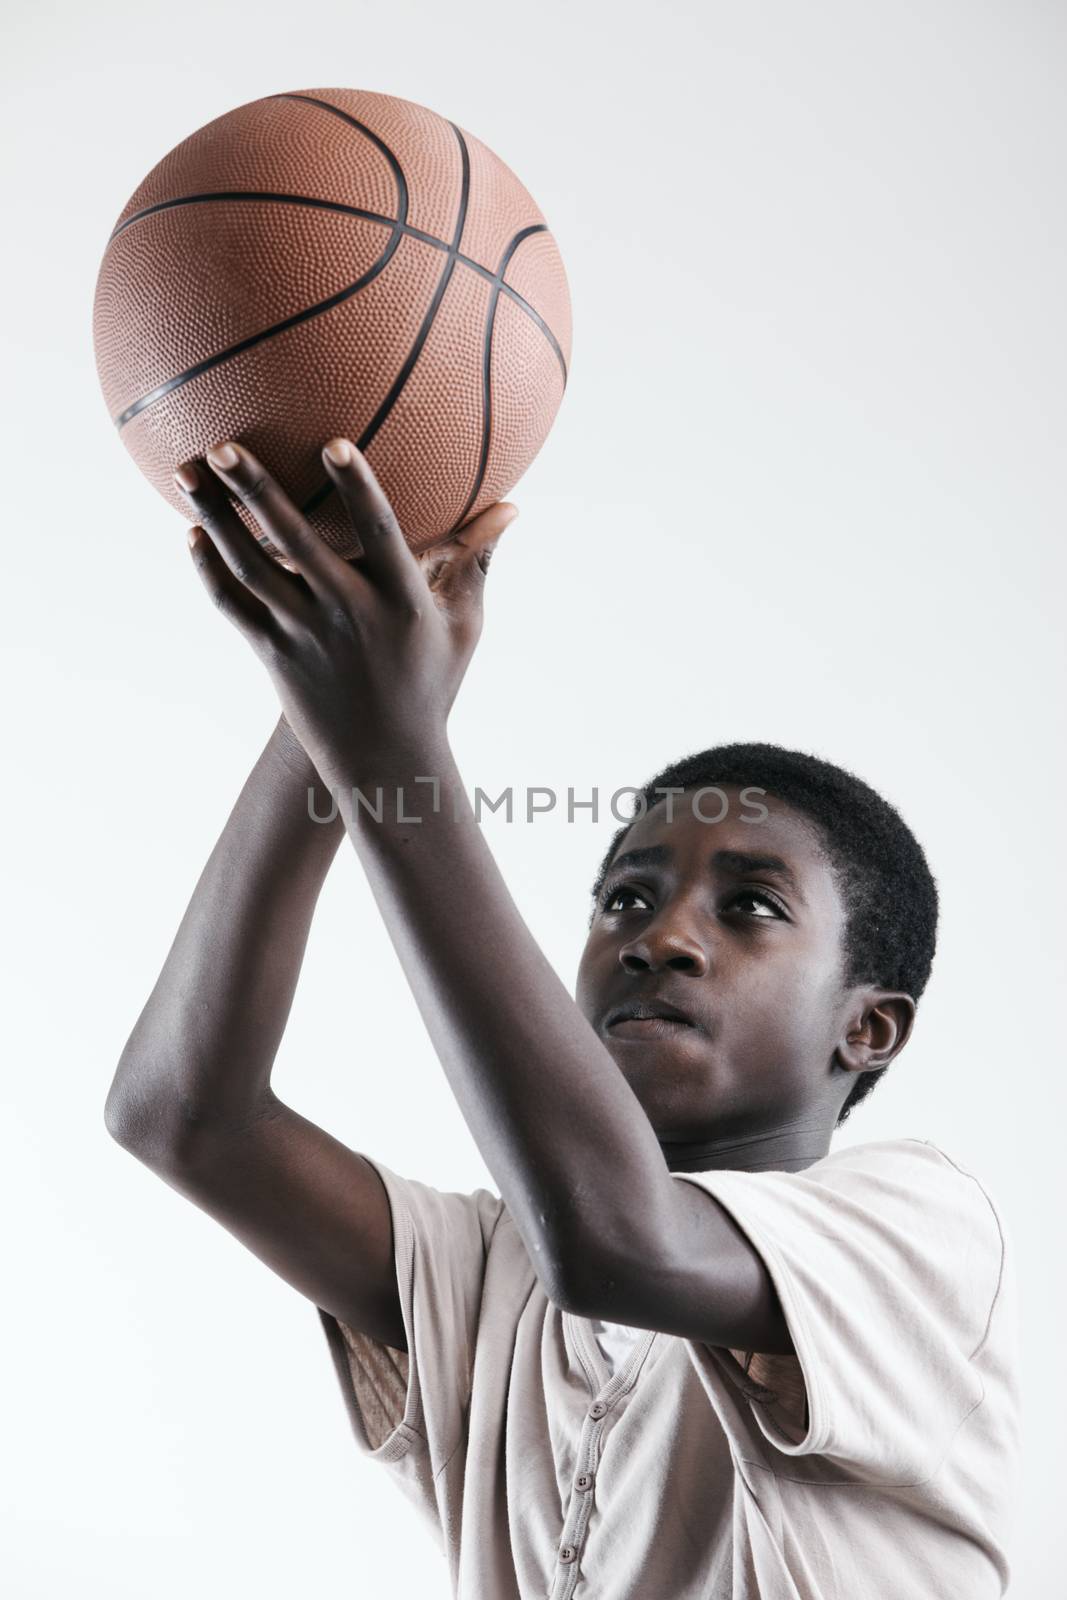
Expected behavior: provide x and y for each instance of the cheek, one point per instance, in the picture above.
(785, 1000)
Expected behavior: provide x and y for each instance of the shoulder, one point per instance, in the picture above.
(923, 1200)
(912, 1172)
(903, 1200)
(917, 1168)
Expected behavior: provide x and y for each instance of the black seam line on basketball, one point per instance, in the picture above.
(487, 376)
(435, 304)
(513, 294)
(308, 312)
(361, 127)
(304, 200)
(259, 194)
(402, 197)
(324, 490)
(367, 216)
(399, 230)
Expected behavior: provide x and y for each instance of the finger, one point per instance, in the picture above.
(386, 557)
(276, 514)
(456, 570)
(249, 564)
(249, 615)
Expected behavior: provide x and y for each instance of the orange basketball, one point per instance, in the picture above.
(332, 261)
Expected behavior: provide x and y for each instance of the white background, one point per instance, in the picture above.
(806, 486)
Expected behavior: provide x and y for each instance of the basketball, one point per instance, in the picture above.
(333, 261)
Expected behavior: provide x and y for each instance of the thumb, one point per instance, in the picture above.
(456, 569)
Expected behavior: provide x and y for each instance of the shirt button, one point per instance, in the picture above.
(597, 1409)
(584, 1480)
(568, 1553)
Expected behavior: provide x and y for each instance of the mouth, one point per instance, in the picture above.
(649, 1028)
(648, 1019)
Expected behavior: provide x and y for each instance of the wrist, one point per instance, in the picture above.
(395, 782)
(284, 742)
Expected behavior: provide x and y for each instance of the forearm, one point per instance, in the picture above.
(367, 657)
(202, 1049)
(557, 1124)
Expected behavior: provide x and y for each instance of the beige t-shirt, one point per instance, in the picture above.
(881, 1460)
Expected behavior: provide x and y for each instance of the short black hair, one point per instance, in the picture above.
(888, 890)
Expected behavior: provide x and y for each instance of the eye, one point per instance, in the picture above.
(759, 897)
(611, 896)
(770, 906)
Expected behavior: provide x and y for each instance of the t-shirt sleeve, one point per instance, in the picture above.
(409, 1409)
(888, 1260)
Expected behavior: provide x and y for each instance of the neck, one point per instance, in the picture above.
(783, 1149)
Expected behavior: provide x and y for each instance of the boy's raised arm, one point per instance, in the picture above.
(200, 1055)
(191, 1097)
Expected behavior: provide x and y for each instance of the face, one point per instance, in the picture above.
(738, 925)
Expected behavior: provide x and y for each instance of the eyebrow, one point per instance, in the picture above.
(735, 862)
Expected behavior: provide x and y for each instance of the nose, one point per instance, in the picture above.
(665, 944)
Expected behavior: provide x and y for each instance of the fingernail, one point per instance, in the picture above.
(186, 479)
(339, 451)
(192, 535)
(224, 456)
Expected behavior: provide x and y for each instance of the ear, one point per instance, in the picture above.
(877, 1029)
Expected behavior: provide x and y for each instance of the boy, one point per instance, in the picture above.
(689, 1353)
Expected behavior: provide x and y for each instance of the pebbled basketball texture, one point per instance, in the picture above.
(332, 261)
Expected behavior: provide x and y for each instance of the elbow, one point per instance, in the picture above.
(117, 1110)
(128, 1123)
(123, 1097)
(547, 1263)
(595, 1278)
(558, 1291)
(570, 1289)
(113, 1121)
(151, 1115)
(566, 1279)
(144, 1124)
(581, 1271)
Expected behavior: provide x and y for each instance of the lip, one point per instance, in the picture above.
(649, 1028)
(645, 1019)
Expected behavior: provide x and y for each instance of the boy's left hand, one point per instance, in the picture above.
(367, 655)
